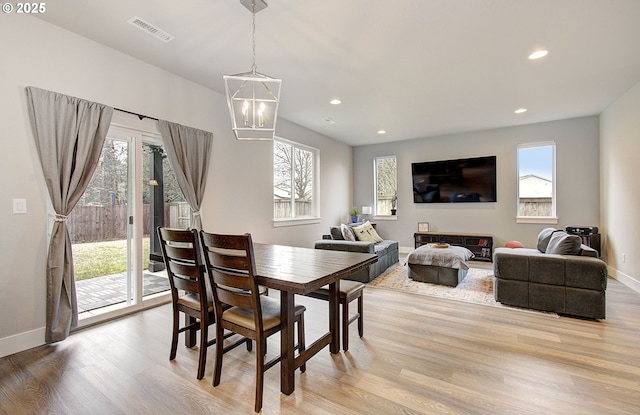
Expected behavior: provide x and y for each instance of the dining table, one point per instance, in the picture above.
(295, 270)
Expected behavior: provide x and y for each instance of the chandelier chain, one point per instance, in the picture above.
(253, 11)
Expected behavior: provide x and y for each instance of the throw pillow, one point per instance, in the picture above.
(543, 239)
(336, 232)
(564, 244)
(347, 233)
(514, 244)
(366, 233)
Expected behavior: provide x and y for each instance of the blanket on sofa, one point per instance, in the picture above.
(452, 257)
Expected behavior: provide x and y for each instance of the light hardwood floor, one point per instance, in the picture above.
(420, 355)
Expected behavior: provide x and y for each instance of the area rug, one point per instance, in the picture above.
(477, 286)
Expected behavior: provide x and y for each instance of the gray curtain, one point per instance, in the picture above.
(69, 134)
(188, 150)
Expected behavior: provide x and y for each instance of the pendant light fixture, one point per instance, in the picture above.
(253, 97)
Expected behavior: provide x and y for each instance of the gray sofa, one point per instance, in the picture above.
(387, 252)
(560, 275)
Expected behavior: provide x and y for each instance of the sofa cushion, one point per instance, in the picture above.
(333, 245)
(547, 269)
(562, 243)
(587, 273)
(512, 264)
(347, 233)
(543, 239)
(366, 233)
(336, 233)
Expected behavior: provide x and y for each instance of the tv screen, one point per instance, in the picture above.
(455, 181)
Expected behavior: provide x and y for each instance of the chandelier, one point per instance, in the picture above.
(253, 97)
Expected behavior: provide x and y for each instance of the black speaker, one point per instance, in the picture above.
(582, 230)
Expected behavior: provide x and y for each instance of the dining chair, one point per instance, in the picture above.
(189, 292)
(231, 263)
(349, 291)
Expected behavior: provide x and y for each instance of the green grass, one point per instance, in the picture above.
(97, 259)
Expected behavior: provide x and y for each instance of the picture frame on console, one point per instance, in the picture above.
(423, 226)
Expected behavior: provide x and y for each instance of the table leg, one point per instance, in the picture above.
(334, 316)
(287, 355)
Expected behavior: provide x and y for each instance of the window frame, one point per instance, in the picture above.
(376, 215)
(315, 191)
(552, 219)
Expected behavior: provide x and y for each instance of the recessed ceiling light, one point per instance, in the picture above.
(335, 102)
(538, 54)
(520, 111)
(382, 132)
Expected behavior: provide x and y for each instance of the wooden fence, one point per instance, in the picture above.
(109, 223)
(283, 208)
(534, 207)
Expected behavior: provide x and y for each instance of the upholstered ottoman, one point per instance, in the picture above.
(436, 275)
(436, 264)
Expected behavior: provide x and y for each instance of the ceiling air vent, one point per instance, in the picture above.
(151, 29)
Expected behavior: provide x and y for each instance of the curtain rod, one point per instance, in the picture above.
(141, 116)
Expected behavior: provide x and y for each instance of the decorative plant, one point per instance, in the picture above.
(394, 200)
(354, 212)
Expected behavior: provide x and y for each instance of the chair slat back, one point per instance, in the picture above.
(182, 259)
(231, 264)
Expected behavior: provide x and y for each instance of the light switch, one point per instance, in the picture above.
(19, 206)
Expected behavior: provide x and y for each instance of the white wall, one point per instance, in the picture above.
(577, 153)
(620, 188)
(239, 195)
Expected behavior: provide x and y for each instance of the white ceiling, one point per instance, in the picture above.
(415, 68)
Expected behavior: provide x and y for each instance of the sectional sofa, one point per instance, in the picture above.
(560, 275)
(386, 250)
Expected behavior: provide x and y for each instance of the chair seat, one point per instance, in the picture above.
(192, 301)
(347, 289)
(270, 314)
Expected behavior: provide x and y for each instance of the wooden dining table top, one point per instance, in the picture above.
(303, 270)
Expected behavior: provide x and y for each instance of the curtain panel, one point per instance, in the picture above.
(69, 133)
(189, 151)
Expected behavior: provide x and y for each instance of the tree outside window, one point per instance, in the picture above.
(386, 184)
(293, 180)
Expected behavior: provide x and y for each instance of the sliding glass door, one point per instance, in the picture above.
(116, 257)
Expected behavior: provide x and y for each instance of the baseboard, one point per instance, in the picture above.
(22, 341)
(627, 280)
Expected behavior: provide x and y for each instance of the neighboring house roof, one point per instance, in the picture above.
(532, 186)
(281, 194)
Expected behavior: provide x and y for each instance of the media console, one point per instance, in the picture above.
(480, 245)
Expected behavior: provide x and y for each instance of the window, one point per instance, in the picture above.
(536, 183)
(294, 180)
(386, 185)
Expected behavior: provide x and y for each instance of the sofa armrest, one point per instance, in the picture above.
(349, 246)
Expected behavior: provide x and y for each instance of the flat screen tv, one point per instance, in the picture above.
(455, 181)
